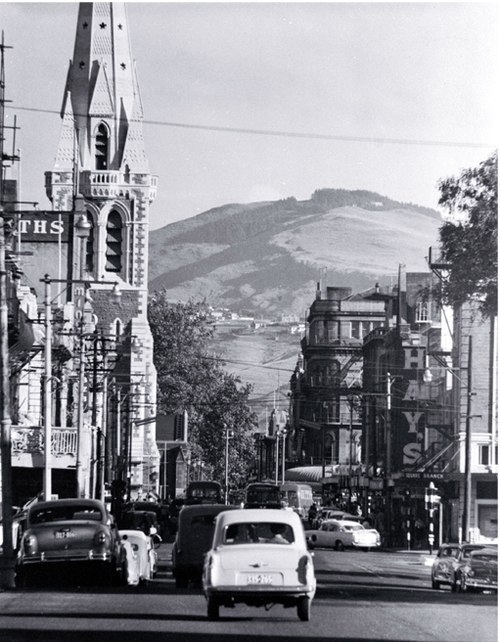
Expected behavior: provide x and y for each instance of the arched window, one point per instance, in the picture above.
(101, 147)
(114, 238)
(118, 328)
(89, 246)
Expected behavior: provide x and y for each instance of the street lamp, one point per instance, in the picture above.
(228, 435)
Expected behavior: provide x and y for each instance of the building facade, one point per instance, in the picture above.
(93, 250)
(326, 402)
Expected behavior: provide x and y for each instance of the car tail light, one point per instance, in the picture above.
(30, 545)
(303, 567)
(101, 538)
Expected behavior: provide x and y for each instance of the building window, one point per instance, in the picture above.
(484, 455)
(114, 237)
(366, 325)
(101, 147)
(89, 247)
(355, 329)
(422, 312)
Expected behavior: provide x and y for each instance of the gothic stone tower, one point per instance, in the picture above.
(101, 171)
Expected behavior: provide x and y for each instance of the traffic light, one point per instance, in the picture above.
(432, 497)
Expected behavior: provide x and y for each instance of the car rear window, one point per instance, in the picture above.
(259, 533)
(65, 513)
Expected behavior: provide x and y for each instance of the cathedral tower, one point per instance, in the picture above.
(101, 173)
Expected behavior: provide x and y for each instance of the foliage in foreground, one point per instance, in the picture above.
(470, 242)
(192, 379)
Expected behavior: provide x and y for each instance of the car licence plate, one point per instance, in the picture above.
(64, 534)
(259, 579)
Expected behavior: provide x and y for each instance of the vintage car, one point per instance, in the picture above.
(142, 558)
(78, 532)
(340, 534)
(259, 557)
(334, 513)
(448, 560)
(444, 566)
(193, 539)
(479, 571)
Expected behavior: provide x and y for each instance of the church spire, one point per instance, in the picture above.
(101, 95)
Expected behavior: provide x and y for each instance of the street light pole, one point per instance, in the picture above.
(47, 474)
(228, 434)
(7, 558)
(467, 470)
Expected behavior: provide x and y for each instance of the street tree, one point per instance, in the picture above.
(190, 377)
(469, 239)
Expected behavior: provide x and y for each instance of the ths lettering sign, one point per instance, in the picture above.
(43, 227)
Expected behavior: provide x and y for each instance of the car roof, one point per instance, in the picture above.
(96, 503)
(259, 515)
(133, 533)
(341, 521)
(488, 550)
(205, 509)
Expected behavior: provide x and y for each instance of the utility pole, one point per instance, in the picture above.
(47, 409)
(467, 470)
(7, 557)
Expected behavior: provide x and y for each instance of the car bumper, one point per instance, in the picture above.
(65, 556)
(479, 583)
(258, 595)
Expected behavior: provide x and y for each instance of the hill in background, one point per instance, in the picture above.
(265, 258)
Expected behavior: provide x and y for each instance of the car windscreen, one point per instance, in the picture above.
(484, 557)
(259, 533)
(65, 513)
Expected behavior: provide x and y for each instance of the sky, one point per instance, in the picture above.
(388, 97)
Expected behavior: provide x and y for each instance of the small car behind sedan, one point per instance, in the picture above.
(142, 558)
(479, 572)
(340, 534)
(194, 538)
(70, 532)
(259, 557)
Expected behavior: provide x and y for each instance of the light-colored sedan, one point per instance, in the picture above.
(142, 558)
(340, 534)
(259, 557)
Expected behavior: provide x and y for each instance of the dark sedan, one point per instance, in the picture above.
(70, 532)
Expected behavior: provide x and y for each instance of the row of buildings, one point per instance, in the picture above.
(393, 395)
(391, 391)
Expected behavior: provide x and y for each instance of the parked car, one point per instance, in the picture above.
(334, 513)
(70, 531)
(448, 559)
(142, 558)
(193, 540)
(479, 571)
(259, 557)
(340, 534)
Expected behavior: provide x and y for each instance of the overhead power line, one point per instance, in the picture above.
(285, 134)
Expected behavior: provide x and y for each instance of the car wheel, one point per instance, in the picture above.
(21, 580)
(304, 609)
(181, 581)
(339, 546)
(213, 609)
(436, 585)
